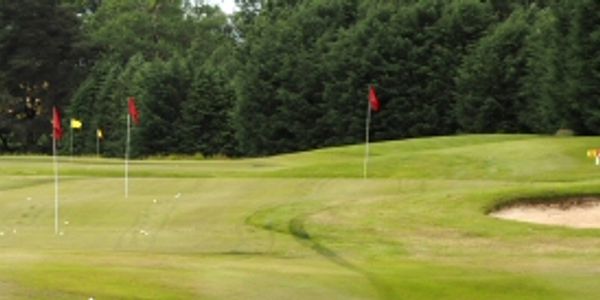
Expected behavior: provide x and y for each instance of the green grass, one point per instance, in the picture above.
(303, 225)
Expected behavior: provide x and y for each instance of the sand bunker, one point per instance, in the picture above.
(572, 212)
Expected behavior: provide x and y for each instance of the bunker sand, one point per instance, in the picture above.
(574, 212)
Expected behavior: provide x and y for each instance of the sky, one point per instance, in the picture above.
(228, 6)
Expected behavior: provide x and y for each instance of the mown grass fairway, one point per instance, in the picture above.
(303, 226)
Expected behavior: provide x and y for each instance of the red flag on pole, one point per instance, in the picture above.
(133, 112)
(373, 99)
(56, 124)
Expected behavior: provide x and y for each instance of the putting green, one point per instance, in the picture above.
(303, 226)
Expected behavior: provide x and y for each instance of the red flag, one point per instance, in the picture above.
(373, 99)
(56, 124)
(133, 112)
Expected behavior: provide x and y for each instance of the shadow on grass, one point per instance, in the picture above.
(295, 227)
(297, 230)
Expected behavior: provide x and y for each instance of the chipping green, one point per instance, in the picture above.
(303, 226)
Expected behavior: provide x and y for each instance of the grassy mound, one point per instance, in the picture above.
(304, 225)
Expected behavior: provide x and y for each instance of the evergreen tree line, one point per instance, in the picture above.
(290, 75)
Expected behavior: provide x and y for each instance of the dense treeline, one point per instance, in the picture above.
(288, 75)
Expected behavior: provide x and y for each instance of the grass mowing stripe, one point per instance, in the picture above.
(416, 229)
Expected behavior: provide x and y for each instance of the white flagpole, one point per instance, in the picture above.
(55, 159)
(127, 156)
(71, 146)
(97, 144)
(367, 122)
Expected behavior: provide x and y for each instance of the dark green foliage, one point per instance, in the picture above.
(152, 28)
(155, 64)
(542, 52)
(164, 88)
(410, 52)
(280, 92)
(564, 65)
(207, 116)
(39, 48)
(101, 103)
(292, 75)
(489, 85)
(583, 69)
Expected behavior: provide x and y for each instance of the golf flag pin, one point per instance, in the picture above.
(56, 124)
(76, 124)
(594, 153)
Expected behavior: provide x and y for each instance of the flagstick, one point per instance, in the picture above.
(127, 157)
(71, 146)
(367, 122)
(97, 145)
(55, 160)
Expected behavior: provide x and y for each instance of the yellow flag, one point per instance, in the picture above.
(76, 124)
(99, 133)
(593, 153)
